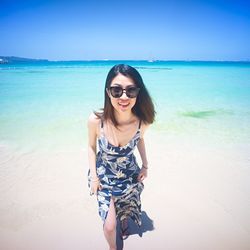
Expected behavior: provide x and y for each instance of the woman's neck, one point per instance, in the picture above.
(124, 118)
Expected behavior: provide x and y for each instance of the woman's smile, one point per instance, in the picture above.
(123, 104)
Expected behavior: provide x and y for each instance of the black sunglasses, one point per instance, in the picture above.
(117, 91)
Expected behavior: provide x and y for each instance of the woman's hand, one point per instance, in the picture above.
(95, 186)
(143, 174)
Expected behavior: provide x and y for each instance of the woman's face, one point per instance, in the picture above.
(122, 103)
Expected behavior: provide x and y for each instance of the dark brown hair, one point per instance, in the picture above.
(143, 108)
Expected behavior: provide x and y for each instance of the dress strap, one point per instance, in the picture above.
(101, 127)
(139, 127)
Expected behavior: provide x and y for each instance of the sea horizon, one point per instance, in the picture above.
(152, 60)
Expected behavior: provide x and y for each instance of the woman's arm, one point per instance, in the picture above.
(92, 136)
(142, 151)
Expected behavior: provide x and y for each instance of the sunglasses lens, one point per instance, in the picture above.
(116, 92)
(132, 92)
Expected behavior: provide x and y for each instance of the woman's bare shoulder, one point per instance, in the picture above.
(93, 120)
(144, 127)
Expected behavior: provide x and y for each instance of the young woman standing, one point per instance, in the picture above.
(114, 174)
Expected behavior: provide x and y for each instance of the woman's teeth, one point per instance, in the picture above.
(123, 104)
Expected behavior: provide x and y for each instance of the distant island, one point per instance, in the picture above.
(15, 59)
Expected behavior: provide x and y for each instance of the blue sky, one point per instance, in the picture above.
(129, 29)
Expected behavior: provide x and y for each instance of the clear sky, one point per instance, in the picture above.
(126, 29)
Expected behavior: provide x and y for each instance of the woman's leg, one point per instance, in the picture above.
(109, 227)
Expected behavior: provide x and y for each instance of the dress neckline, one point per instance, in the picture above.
(126, 145)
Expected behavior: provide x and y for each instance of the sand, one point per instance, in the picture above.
(196, 197)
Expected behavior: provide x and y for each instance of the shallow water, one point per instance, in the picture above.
(45, 105)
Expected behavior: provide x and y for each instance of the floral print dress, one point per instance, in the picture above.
(118, 170)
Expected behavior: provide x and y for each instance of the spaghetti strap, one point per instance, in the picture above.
(101, 128)
(139, 125)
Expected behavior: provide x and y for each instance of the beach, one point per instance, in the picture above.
(197, 192)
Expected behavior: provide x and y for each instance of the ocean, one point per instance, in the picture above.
(197, 151)
(45, 106)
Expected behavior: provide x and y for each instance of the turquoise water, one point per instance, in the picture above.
(45, 105)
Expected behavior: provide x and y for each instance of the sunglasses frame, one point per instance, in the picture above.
(126, 89)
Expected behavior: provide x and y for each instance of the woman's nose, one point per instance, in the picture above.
(124, 95)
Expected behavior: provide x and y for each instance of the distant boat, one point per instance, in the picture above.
(151, 60)
(3, 61)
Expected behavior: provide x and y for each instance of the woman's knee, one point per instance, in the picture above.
(109, 227)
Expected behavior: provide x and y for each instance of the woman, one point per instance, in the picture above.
(114, 174)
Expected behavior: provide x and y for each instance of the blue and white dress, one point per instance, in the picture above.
(118, 170)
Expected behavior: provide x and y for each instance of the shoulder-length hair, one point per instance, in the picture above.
(143, 108)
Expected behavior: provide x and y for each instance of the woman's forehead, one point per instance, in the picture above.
(122, 80)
